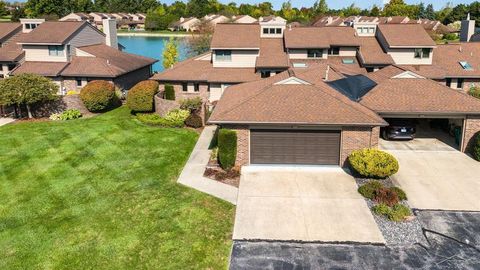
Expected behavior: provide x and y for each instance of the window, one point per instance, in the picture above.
(28, 26)
(334, 51)
(465, 65)
(265, 73)
(265, 30)
(79, 82)
(279, 31)
(460, 83)
(449, 82)
(184, 87)
(371, 30)
(55, 51)
(314, 53)
(272, 30)
(196, 87)
(422, 53)
(223, 55)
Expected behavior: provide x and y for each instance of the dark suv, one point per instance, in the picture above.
(402, 129)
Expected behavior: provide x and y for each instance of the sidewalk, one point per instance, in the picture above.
(4, 121)
(192, 174)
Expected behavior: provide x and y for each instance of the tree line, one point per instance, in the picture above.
(161, 15)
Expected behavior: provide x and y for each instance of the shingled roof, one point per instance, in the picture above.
(320, 37)
(236, 36)
(405, 35)
(8, 29)
(272, 54)
(53, 32)
(371, 53)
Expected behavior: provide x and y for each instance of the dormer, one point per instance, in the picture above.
(29, 24)
(272, 26)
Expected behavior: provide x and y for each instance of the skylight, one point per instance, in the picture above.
(348, 61)
(299, 65)
(465, 65)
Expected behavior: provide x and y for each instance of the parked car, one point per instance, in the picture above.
(399, 129)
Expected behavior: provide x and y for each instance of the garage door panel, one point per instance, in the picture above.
(295, 147)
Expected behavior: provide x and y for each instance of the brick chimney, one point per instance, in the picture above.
(110, 30)
(467, 29)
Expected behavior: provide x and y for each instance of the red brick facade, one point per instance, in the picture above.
(470, 131)
(354, 138)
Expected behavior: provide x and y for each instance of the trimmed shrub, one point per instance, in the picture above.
(191, 104)
(176, 118)
(169, 92)
(173, 119)
(140, 97)
(400, 193)
(386, 196)
(373, 163)
(98, 96)
(194, 121)
(381, 209)
(227, 148)
(399, 212)
(66, 115)
(368, 190)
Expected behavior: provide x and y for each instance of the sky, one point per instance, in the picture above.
(337, 4)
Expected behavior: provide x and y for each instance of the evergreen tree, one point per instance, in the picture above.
(430, 12)
(320, 8)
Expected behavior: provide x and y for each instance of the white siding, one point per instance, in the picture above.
(86, 36)
(302, 54)
(244, 58)
(348, 51)
(216, 91)
(40, 53)
(79, 52)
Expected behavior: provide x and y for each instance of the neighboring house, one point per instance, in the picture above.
(243, 19)
(78, 17)
(98, 18)
(185, 24)
(214, 19)
(10, 53)
(72, 53)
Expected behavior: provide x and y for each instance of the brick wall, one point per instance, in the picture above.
(243, 147)
(471, 129)
(180, 94)
(354, 138)
(163, 106)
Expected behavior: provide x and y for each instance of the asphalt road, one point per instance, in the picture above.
(452, 241)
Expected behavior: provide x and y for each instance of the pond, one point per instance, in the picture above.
(152, 47)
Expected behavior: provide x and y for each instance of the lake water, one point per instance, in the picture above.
(152, 47)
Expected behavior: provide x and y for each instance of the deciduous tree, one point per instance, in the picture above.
(170, 53)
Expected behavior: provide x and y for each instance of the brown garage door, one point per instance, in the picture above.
(308, 147)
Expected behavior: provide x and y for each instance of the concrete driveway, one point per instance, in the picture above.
(439, 180)
(302, 204)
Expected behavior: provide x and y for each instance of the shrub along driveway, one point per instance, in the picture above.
(439, 180)
(302, 204)
(101, 193)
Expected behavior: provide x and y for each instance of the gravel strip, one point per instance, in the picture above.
(395, 233)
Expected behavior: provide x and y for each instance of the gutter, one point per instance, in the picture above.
(298, 123)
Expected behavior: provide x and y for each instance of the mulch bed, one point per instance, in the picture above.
(231, 177)
(402, 233)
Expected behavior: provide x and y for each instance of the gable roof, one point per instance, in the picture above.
(272, 54)
(236, 36)
(54, 32)
(371, 53)
(408, 96)
(265, 101)
(108, 62)
(405, 35)
(320, 37)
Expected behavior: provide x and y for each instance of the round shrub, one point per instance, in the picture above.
(194, 121)
(399, 212)
(400, 193)
(373, 163)
(227, 148)
(368, 190)
(169, 92)
(476, 147)
(140, 97)
(98, 96)
(381, 209)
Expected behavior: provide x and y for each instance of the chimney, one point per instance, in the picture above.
(110, 30)
(182, 19)
(467, 29)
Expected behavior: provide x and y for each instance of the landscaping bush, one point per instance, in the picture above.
(177, 118)
(66, 115)
(169, 92)
(373, 163)
(400, 193)
(368, 190)
(140, 97)
(474, 92)
(476, 147)
(227, 148)
(386, 196)
(173, 119)
(194, 120)
(450, 36)
(191, 104)
(98, 96)
(399, 212)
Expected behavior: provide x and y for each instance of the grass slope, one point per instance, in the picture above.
(100, 193)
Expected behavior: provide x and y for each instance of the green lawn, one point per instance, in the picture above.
(101, 193)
